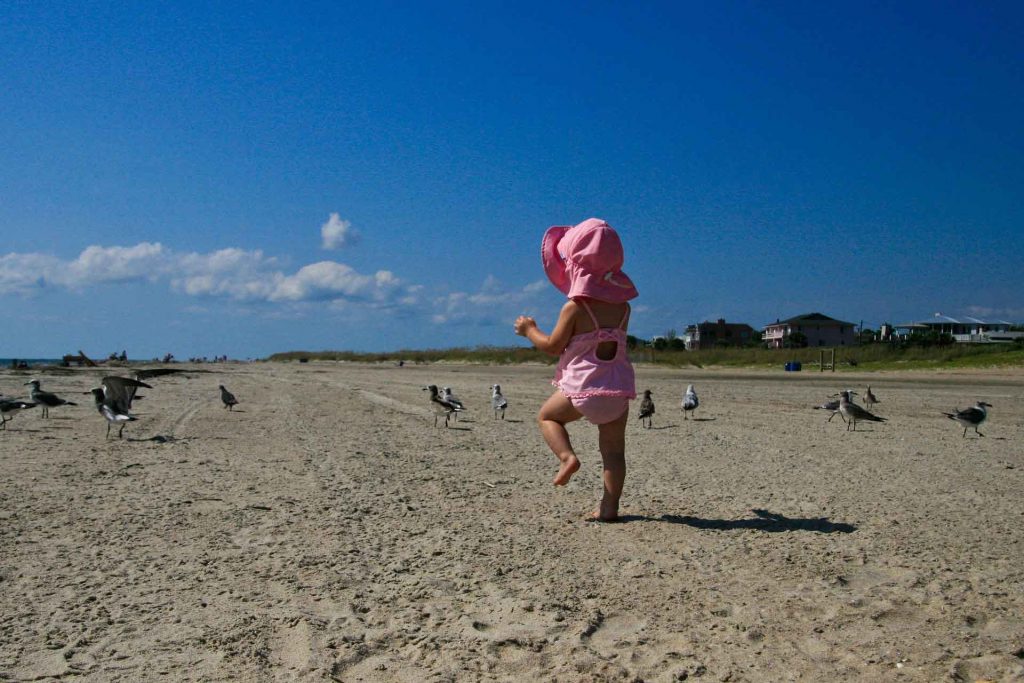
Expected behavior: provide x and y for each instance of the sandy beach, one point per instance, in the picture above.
(326, 531)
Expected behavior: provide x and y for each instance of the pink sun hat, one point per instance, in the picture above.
(586, 260)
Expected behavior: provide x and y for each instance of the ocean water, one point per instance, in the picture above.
(5, 363)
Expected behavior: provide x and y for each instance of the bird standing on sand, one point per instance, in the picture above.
(228, 398)
(110, 414)
(447, 395)
(690, 401)
(441, 406)
(832, 407)
(11, 406)
(647, 409)
(46, 399)
(498, 402)
(853, 413)
(114, 399)
(971, 417)
(870, 399)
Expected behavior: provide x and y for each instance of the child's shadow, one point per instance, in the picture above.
(770, 522)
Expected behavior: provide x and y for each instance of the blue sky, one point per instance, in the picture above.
(221, 178)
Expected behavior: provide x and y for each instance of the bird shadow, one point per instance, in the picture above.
(663, 427)
(704, 419)
(516, 422)
(238, 410)
(458, 429)
(769, 522)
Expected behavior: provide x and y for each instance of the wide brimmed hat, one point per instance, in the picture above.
(586, 260)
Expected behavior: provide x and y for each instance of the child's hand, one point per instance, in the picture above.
(522, 324)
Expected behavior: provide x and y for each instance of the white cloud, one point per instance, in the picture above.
(113, 264)
(328, 280)
(337, 233)
(23, 273)
(237, 274)
(989, 312)
(492, 300)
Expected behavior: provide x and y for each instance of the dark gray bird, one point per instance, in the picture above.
(447, 395)
(853, 413)
(46, 399)
(498, 402)
(228, 398)
(110, 414)
(870, 399)
(971, 417)
(647, 409)
(11, 406)
(440, 406)
(690, 401)
(114, 398)
(833, 407)
(119, 392)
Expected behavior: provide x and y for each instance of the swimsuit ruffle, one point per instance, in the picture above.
(595, 392)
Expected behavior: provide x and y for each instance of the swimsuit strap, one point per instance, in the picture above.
(597, 326)
(586, 308)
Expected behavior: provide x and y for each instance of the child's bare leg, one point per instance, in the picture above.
(556, 412)
(612, 441)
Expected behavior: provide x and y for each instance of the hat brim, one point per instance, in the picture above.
(554, 264)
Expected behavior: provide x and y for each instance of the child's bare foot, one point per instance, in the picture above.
(569, 466)
(606, 512)
(596, 516)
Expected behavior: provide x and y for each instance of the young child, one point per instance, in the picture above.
(594, 376)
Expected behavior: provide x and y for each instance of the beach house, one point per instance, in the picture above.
(719, 333)
(965, 330)
(813, 329)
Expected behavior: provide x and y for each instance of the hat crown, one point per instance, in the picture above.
(586, 260)
(595, 246)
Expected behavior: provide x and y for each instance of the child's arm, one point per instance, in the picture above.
(555, 342)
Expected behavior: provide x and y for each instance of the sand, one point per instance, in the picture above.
(325, 530)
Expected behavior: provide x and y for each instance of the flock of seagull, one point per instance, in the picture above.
(113, 399)
(842, 404)
(446, 404)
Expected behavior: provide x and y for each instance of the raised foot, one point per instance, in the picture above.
(565, 472)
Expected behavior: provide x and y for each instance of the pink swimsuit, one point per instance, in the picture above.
(599, 389)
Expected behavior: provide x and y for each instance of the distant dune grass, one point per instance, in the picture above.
(868, 357)
(490, 355)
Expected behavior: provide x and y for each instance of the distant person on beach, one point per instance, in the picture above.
(594, 376)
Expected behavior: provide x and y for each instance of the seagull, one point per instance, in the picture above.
(228, 398)
(498, 402)
(12, 406)
(833, 406)
(852, 412)
(690, 401)
(451, 398)
(971, 417)
(119, 392)
(46, 399)
(110, 414)
(870, 399)
(440, 405)
(647, 409)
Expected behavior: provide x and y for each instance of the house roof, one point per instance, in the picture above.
(819, 318)
(939, 319)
